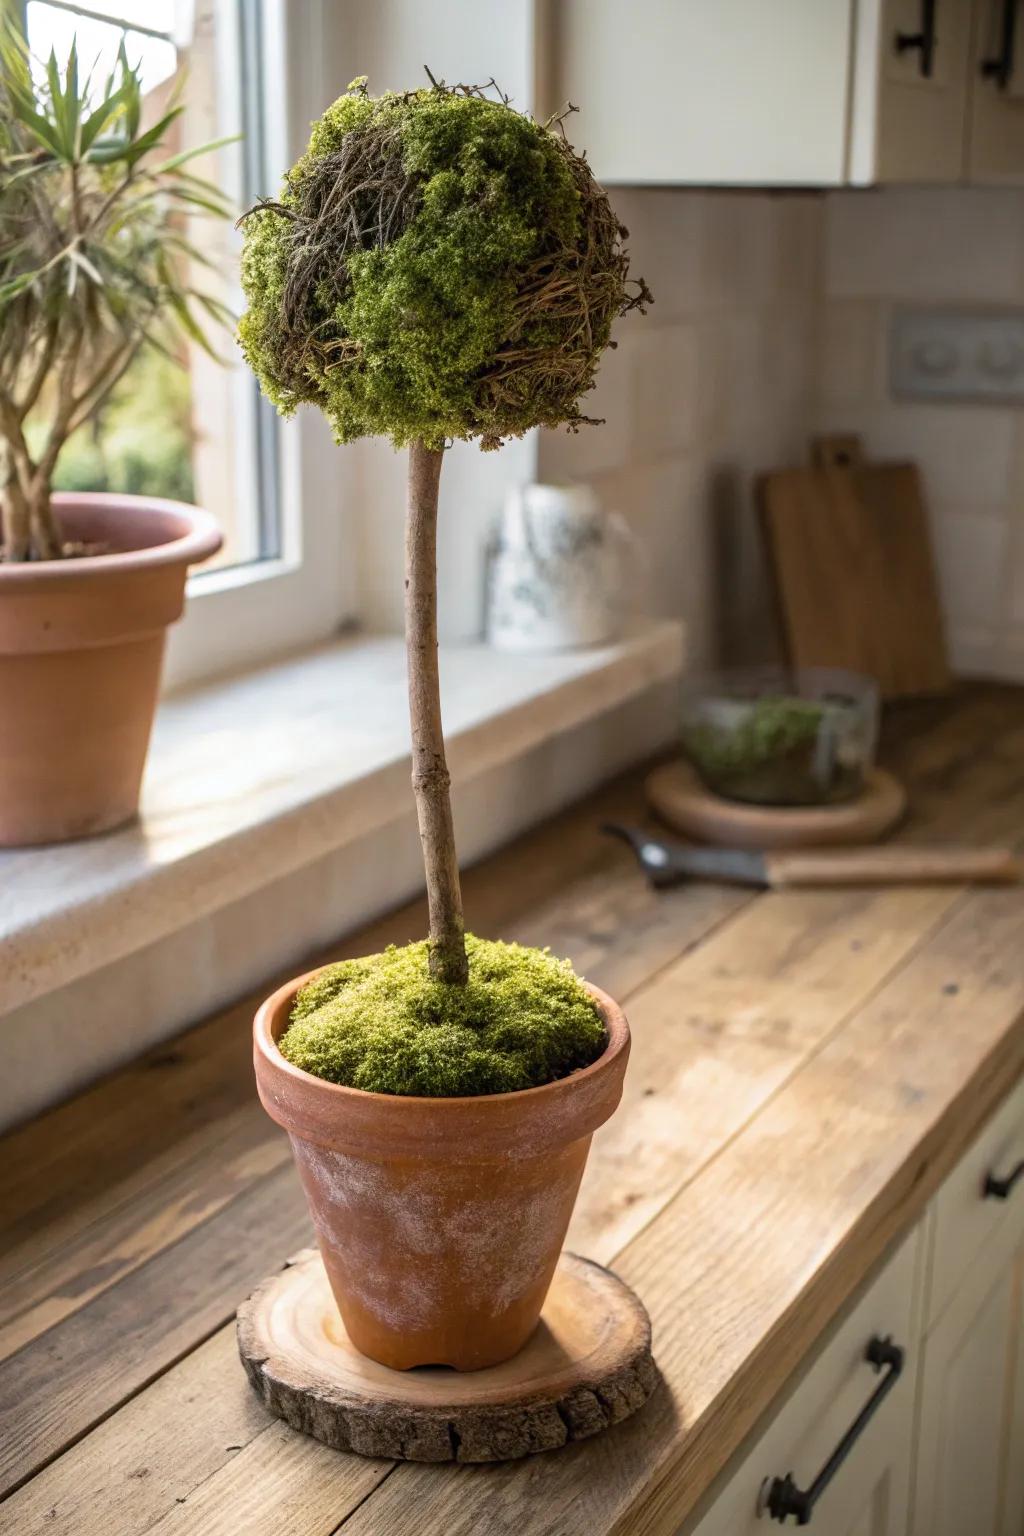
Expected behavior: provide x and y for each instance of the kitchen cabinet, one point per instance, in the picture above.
(736, 92)
(971, 1444)
(970, 1453)
(908, 114)
(942, 1454)
(805, 93)
(869, 1493)
(995, 130)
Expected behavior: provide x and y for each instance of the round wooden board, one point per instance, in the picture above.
(587, 1366)
(677, 795)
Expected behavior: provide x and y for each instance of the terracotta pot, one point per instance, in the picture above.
(81, 647)
(440, 1221)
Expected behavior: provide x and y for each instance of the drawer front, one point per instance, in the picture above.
(868, 1495)
(966, 1219)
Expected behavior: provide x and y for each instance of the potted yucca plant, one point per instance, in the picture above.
(93, 252)
(438, 266)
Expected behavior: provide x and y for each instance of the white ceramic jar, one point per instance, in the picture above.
(559, 571)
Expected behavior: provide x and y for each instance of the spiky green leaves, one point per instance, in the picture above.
(439, 266)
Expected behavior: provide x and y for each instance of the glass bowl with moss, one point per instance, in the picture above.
(781, 736)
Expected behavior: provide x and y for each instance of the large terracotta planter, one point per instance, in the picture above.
(81, 647)
(440, 1221)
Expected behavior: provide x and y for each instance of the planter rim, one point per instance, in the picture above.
(491, 1117)
(200, 537)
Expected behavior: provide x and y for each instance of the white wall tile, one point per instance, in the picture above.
(665, 248)
(738, 248)
(926, 243)
(970, 553)
(851, 350)
(697, 407)
(663, 389)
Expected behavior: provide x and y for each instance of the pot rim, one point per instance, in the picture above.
(200, 539)
(266, 1043)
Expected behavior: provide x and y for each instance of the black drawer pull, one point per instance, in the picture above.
(783, 1498)
(1002, 1189)
(1000, 69)
(923, 40)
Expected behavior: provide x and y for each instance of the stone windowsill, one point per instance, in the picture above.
(254, 777)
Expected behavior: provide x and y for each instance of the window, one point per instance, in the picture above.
(200, 431)
(196, 431)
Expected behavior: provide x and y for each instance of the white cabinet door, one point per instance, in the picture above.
(970, 1458)
(910, 79)
(740, 92)
(968, 1223)
(869, 1494)
(996, 102)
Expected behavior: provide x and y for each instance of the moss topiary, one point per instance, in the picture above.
(438, 266)
(384, 1025)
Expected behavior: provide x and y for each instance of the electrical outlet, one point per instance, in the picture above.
(938, 354)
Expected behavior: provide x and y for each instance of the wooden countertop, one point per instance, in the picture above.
(806, 1067)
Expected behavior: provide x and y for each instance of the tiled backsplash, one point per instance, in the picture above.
(943, 246)
(770, 323)
(712, 385)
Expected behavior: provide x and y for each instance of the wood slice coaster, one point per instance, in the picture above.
(587, 1366)
(677, 795)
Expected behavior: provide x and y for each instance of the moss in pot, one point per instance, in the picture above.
(437, 267)
(772, 738)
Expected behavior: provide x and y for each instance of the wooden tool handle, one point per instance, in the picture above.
(897, 865)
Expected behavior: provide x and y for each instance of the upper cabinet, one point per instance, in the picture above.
(995, 126)
(789, 93)
(736, 92)
(909, 68)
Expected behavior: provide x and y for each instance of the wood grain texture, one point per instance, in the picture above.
(58, 1386)
(738, 1007)
(587, 1367)
(851, 556)
(791, 1216)
(941, 864)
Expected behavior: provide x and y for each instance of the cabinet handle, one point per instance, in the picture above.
(1001, 1189)
(1000, 69)
(781, 1497)
(923, 40)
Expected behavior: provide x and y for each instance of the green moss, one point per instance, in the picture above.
(764, 731)
(774, 751)
(438, 266)
(381, 1024)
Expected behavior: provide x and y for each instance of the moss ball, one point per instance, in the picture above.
(383, 1025)
(437, 266)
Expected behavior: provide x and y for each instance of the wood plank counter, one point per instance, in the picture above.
(806, 1068)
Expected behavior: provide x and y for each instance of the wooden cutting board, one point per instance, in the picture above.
(851, 558)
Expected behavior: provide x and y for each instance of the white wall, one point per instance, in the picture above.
(945, 246)
(460, 41)
(712, 386)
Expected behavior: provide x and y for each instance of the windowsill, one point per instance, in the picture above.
(252, 778)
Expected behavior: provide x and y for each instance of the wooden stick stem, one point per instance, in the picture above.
(430, 778)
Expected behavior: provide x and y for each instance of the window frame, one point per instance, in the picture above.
(244, 615)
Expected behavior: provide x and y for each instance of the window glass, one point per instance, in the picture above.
(192, 428)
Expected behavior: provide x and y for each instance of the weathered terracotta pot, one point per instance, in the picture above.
(81, 647)
(440, 1221)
